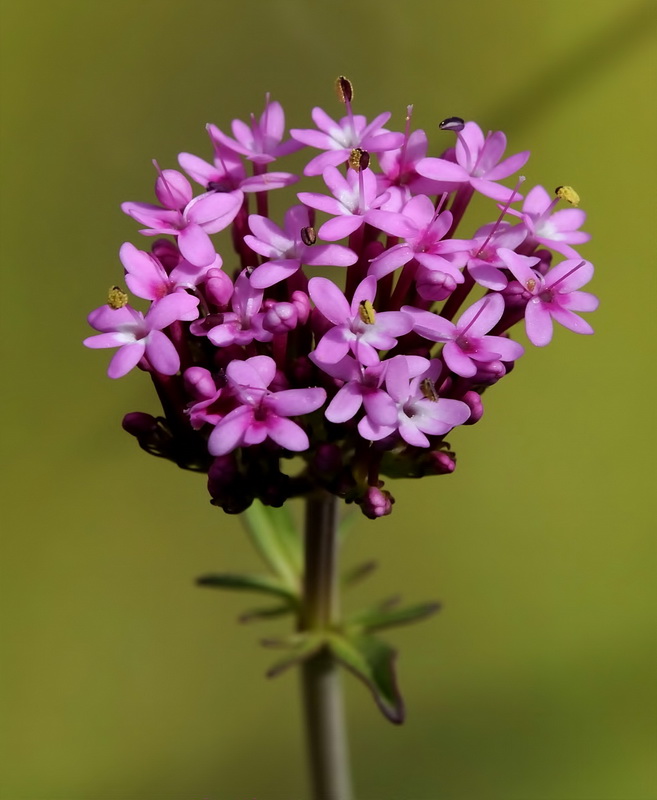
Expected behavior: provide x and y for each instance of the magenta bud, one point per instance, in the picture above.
(302, 304)
(280, 318)
(199, 383)
(434, 284)
(441, 462)
(473, 402)
(172, 189)
(166, 253)
(489, 373)
(376, 503)
(218, 288)
(138, 423)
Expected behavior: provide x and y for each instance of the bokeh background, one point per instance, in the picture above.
(121, 680)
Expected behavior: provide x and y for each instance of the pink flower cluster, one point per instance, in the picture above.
(257, 358)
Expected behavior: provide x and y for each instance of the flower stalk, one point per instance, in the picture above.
(323, 705)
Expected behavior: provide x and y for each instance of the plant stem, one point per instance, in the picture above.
(320, 682)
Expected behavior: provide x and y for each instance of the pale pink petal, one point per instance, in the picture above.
(272, 272)
(329, 300)
(340, 227)
(229, 433)
(162, 354)
(287, 434)
(196, 246)
(458, 361)
(125, 359)
(345, 404)
(438, 169)
(294, 402)
(571, 321)
(333, 346)
(538, 323)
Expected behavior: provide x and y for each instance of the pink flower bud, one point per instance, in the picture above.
(218, 288)
(280, 318)
(199, 383)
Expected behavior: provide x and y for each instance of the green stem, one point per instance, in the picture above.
(320, 682)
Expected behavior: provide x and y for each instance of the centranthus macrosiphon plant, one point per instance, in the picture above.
(326, 352)
(257, 358)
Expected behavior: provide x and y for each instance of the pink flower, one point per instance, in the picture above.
(340, 138)
(286, 250)
(227, 173)
(137, 336)
(466, 345)
(245, 322)
(189, 220)
(146, 277)
(420, 412)
(553, 297)
(356, 326)
(262, 414)
(353, 197)
(423, 231)
(477, 163)
(558, 229)
(261, 141)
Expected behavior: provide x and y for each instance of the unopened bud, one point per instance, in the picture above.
(455, 124)
(166, 253)
(376, 503)
(218, 288)
(199, 383)
(434, 284)
(473, 402)
(441, 462)
(302, 304)
(117, 298)
(280, 318)
(345, 89)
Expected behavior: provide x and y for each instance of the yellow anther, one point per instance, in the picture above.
(116, 297)
(366, 312)
(428, 389)
(568, 194)
(359, 159)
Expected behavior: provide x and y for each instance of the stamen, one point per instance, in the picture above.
(520, 181)
(568, 274)
(308, 236)
(407, 133)
(366, 312)
(359, 159)
(164, 181)
(428, 389)
(473, 320)
(116, 297)
(568, 194)
(345, 89)
(455, 124)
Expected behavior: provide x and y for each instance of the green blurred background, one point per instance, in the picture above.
(121, 680)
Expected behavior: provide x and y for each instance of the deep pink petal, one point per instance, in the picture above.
(333, 346)
(340, 227)
(508, 166)
(481, 316)
(571, 321)
(380, 407)
(390, 260)
(569, 275)
(273, 272)
(214, 211)
(173, 307)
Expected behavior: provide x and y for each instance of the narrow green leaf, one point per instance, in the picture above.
(385, 617)
(357, 573)
(248, 583)
(271, 612)
(276, 539)
(308, 645)
(372, 661)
